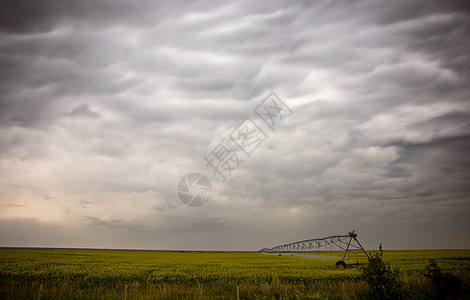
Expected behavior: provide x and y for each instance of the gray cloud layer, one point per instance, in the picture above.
(105, 105)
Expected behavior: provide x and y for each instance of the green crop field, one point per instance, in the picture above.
(72, 274)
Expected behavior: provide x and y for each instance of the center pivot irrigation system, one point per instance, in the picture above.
(336, 243)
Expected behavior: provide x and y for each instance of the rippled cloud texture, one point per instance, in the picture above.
(105, 105)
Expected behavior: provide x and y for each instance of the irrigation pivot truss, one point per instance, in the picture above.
(346, 243)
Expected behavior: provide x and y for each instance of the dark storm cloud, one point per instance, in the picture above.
(441, 163)
(116, 223)
(83, 110)
(25, 17)
(105, 105)
(401, 11)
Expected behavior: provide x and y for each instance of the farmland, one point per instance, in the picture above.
(27, 273)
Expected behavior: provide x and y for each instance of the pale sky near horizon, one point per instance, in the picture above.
(106, 105)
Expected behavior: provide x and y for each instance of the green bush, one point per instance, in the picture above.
(445, 285)
(384, 281)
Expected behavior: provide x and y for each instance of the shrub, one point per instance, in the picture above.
(445, 285)
(384, 281)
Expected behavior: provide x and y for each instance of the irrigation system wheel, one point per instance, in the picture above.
(341, 264)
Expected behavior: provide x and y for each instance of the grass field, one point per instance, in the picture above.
(72, 274)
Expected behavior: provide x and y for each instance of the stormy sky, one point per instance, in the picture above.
(106, 105)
